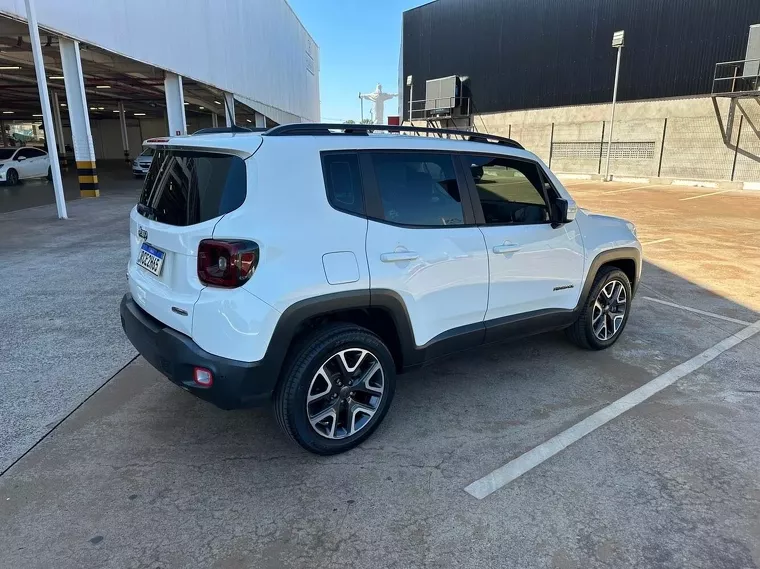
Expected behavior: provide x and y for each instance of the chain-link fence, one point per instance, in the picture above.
(678, 147)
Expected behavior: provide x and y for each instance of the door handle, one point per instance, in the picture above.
(399, 256)
(506, 248)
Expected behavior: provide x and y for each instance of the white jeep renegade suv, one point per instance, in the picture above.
(307, 265)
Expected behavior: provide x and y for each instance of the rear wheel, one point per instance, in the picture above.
(337, 389)
(11, 178)
(49, 174)
(605, 313)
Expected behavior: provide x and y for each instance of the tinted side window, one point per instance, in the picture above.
(25, 152)
(509, 190)
(34, 153)
(343, 182)
(417, 188)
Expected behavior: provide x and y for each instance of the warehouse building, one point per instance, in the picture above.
(121, 71)
(543, 72)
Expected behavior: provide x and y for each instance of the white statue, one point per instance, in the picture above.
(378, 98)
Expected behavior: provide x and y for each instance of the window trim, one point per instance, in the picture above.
(475, 197)
(373, 201)
(362, 183)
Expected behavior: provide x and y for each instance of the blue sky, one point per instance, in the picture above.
(359, 44)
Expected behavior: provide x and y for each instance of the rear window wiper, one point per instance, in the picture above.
(146, 211)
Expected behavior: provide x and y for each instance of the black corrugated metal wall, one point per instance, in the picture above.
(523, 54)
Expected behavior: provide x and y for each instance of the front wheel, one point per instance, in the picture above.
(337, 389)
(11, 178)
(605, 312)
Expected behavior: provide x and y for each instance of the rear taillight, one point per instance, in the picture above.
(226, 264)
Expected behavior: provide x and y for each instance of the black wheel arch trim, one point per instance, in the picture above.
(604, 258)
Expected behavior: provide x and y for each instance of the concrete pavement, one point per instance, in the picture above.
(145, 475)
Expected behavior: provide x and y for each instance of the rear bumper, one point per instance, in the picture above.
(236, 384)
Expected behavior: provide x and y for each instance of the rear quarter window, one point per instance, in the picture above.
(343, 182)
(187, 187)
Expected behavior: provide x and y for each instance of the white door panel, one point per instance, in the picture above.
(441, 273)
(533, 267)
(34, 166)
(23, 167)
(43, 163)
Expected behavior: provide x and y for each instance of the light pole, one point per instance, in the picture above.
(411, 95)
(617, 41)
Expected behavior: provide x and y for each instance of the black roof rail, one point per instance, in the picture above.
(227, 129)
(323, 129)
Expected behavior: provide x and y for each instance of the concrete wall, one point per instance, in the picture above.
(106, 134)
(673, 138)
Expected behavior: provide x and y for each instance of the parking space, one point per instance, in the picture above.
(145, 475)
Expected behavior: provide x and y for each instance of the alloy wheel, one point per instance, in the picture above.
(345, 393)
(609, 310)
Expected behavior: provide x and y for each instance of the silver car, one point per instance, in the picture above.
(141, 164)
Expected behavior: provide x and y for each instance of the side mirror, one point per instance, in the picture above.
(563, 211)
(20, 158)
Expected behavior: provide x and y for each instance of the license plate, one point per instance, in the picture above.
(150, 258)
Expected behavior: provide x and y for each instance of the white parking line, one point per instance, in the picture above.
(696, 310)
(705, 195)
(666, 239)
(628, 189)
(534, 457)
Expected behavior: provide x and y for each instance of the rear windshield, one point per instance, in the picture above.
(6, 153)
(187, 187)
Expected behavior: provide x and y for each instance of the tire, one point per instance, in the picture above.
(11, 178)
(49, 176)
(315, 371)
(588, 331)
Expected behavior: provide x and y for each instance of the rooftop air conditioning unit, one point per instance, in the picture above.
(752, 68)
(443, 97)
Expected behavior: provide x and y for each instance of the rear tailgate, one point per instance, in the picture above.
(170, 295)
(187, 191)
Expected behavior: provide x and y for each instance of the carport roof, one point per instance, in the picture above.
(109, 78)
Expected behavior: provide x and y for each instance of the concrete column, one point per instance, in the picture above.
(229, 108)
(175, 104)
(59, 132)
(124, 137)
(261, 120)
(81, 135)
(214, 120)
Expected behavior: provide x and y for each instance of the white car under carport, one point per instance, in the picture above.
(22, 164)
